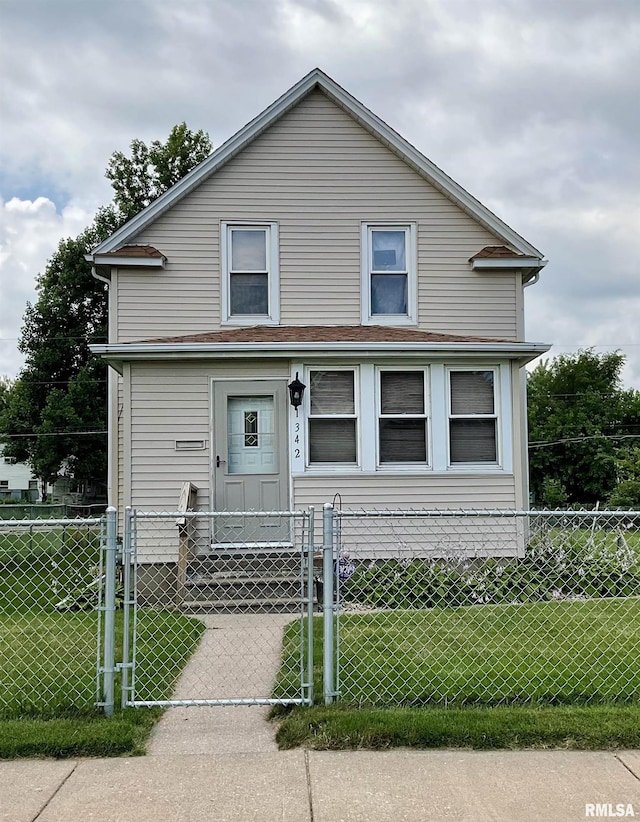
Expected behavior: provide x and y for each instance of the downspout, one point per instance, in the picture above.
(532, 281)
(111, 399)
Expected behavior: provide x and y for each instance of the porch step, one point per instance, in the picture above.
(243, 586)
(237, 580)
(275, 605)
(276, 561)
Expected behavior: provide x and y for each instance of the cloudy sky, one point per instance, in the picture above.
(532, 105)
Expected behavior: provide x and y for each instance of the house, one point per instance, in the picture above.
(318, 246)
(16, 480)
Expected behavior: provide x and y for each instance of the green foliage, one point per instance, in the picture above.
(62, 389)
(583, 566)
(578, 411)
(150, 170)
(554, 494)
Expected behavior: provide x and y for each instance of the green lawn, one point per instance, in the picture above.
(557, 673)
(48, 655)
(47, 682)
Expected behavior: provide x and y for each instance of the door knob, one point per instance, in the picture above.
(220, 462)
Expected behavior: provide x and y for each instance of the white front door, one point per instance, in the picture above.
(250, 459)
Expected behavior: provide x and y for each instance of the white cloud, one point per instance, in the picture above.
(29, 233)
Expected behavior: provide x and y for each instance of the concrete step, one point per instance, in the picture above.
(274, 605)
(276, 562)
(243, 587)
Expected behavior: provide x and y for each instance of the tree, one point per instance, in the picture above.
(626, 494)
(579, 420)
(54, 414)
(139, 179)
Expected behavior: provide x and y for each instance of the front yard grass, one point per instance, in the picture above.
(548, 674)
(47, 682)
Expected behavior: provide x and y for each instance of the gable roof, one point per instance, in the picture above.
(317, 79)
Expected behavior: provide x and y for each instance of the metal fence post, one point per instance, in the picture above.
(108, 667)
(126, 606)
(327, 604)
(310, 550)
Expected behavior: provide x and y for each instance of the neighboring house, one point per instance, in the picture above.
(16, 480)
(317, 243)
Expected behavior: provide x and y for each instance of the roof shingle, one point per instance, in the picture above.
(322, 333)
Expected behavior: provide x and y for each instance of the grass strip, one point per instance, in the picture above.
(547, 653)
(124, 734)
(601, 727)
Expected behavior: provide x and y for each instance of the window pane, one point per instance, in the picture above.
(249, 294)
(249, 250)
(332, 440)
(388, 251)
(403, 440)
(473, 440)
(472, 392)
(332, 392)
(402, 392)
(388, 293)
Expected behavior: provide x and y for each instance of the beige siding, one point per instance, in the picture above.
(319, 175)
(172, 402)
(434, 491)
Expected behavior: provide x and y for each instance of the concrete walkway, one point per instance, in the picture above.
(299, 786)
(238, 657)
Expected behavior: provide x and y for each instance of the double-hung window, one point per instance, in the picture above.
(472, 417)
(332, 417)
(388, 274)
(402, 417)
(250, 273)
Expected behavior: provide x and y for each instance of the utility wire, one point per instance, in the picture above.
(50, 434)
(583, 439)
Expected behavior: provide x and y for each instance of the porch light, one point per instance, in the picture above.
(296, 392)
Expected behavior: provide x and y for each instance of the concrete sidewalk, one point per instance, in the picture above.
(300, 786)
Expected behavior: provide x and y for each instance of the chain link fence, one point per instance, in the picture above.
(482, 607)
(51, 578)
(237, 585)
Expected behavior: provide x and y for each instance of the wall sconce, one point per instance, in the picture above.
(296, 393)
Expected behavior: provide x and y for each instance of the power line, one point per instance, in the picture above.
(50, 434)
(583, 439)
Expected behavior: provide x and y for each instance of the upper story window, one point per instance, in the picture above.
(250, 288)
(332, 417)
(472, 417)
(388, 274)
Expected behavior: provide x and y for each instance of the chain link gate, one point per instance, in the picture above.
(483, 607)
(217, 602)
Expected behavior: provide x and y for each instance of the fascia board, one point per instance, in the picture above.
(128, 262)
(211, 164)
(523, 352)
(385, 133)
(508, 262)
(438, 177)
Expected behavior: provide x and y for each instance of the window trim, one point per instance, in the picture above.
(331, 466)
(273, 274)
(497, 416)
(410, 318)
(426, 416)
